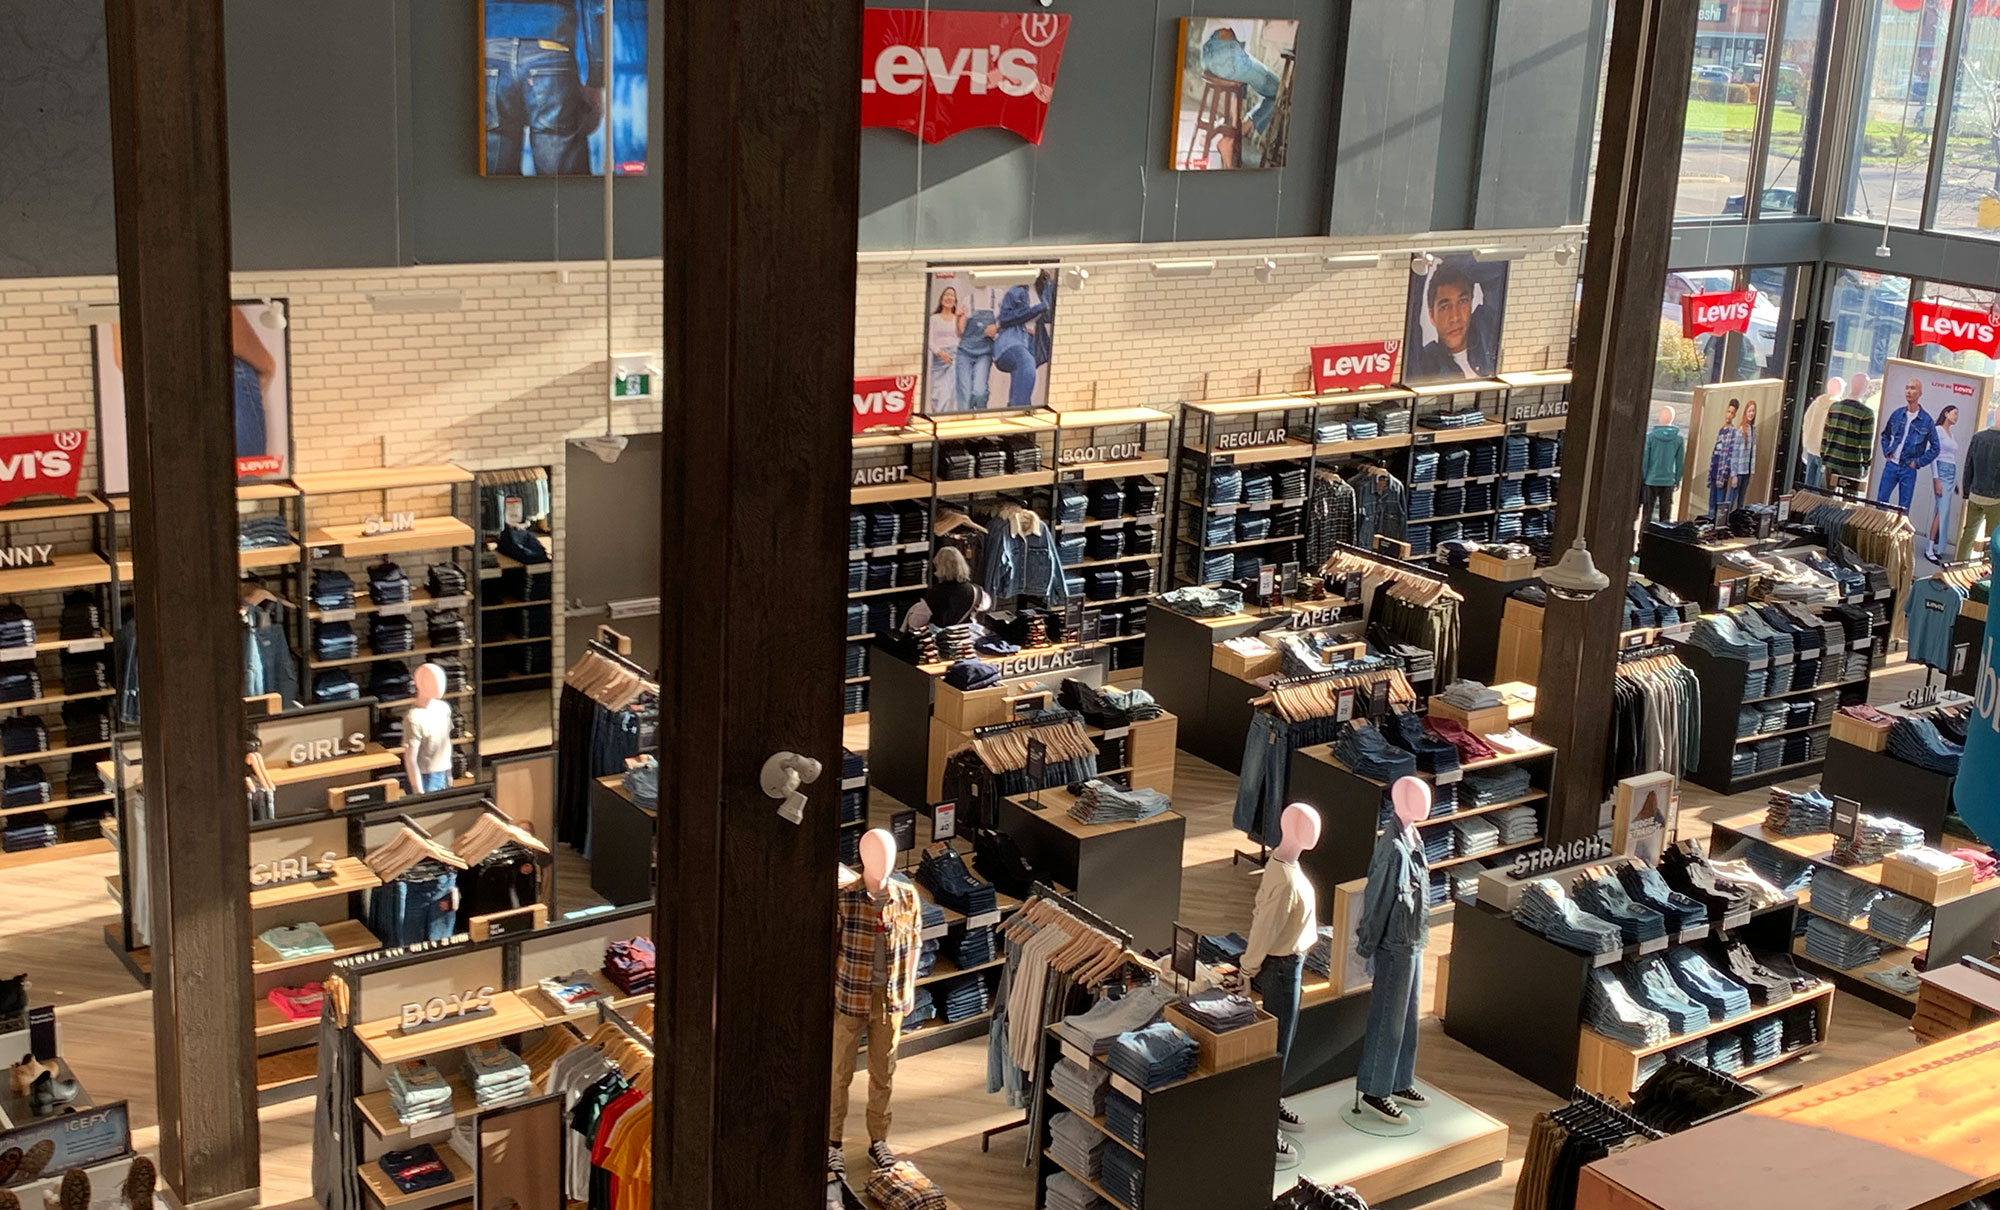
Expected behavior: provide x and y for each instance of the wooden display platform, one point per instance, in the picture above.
(383, 478)
(1913, 1133)
(349, 937)
(1457, 1144)
(350, 874)
(429, 533)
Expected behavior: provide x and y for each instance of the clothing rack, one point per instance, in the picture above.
(1415, 569)
(607, 1015)
(1648, 652)
(627, 662)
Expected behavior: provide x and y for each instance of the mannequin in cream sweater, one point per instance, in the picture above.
(1284, 925)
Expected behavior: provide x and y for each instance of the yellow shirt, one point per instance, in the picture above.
(629, 1158)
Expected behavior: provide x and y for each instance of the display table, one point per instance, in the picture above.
(1914, 1133)
(16, 1111)
(1886, 785)
(621, 843)
(1479, 618)
(1128, 873)
(1693, 569)
(1955, 999)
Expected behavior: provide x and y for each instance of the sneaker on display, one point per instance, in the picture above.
(1387, 1110)
(1411, 1097)
(1288, 1155)
(1289, 1121)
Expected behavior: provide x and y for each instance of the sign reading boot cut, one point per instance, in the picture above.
(391, 523)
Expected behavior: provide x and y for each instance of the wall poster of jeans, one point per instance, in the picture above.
(1924, 420)
(260, 394)
(987, 346)
(546, 65)
(1233, 93)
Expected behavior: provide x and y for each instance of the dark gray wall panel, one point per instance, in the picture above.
(1391, 117)
(55, 140)
(1547, 57)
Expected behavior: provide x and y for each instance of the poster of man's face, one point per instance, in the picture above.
(1457, 310)
(1925, 420)
(260, 395)
(550, 81)
(987, 347)
(1233, 93)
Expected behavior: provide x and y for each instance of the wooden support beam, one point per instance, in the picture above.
(761, 155)
(1624, 275)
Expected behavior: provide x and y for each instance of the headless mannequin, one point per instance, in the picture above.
(884, 920)
(1285, 925)
(1666, 452)
(1394, 919)
(1812, 429)
(427, 734)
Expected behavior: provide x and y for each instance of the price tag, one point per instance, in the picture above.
(855, 783)
(437, 1127)
(1846, 818)
(1959, 654)
(17, 653)
(1184, 951)
(1070, 476)
(1654, 946)
(398, 610)
(935, 932)
(1128, 1088)
(336, 615)
(1117, 732)
(903, 826)
(1038, 763)
(1784, 510)
(82, 646)
(1288, 578)
(983, 919)
(1093, 626)
(453, 602)
(1073, 620)
(944, 821)
(1736, 920)
(1696, 933)
(1517, 428)
(1425, 438)
(1076, 1054)
(1224, 510)
(1223, 460)
(1267, 577)
(1449, 778)
(1763, 663)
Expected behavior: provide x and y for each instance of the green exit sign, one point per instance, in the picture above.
(631, 386)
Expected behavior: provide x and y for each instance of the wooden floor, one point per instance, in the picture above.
(55, 914)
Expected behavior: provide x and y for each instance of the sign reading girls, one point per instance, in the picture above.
(937, 74)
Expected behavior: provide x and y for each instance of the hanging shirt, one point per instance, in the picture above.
(1933, 608)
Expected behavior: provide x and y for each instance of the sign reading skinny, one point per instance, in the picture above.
(937, 74)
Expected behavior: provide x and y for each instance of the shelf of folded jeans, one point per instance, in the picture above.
(426, 533)
(510, 563)
(55, 804)
(1240, 545)
(417, 603)
(913, 488)
(350, 874)
(349, 937)
(1089, 1184)
(888, 438)
(1492, 852)
(1477, 432)
(1288, 450)
(1465, 812)
(982, 484)
(383, 478)
(1091, 418)
(1822, 992)
(1096, 522)
(1859, 974)
(1763, 735)
(1100, 601)
(269, 1022)
(46, 753)
(489, 643)
(61, 571)
(946, 969)
(1258, 506)
(1145, 558)
(374, 658)
(384, 1192)
(1360, 445)
(1096, 1120)
(1093, 471)
(884, 592)
(1914, 947)
(96, 642)
(1004, 425)
(85, 506)
(268, 556)
(1547, 424)
(54, 699)
(1806, 692)
(378, 1110)
(512, 1014)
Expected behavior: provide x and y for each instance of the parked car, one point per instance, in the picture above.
(1712, 75)
(1776, 201)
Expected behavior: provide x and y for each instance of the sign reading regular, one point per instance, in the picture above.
(1347, 367)
(1960, 329)
(936, 74)
(883, 402)
(41, 464)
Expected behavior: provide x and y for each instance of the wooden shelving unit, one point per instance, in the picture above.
(349, 937)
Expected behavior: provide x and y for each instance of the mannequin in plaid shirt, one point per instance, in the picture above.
(876, 947)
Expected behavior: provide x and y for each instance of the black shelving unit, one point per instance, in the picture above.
(1722, 701)
(1886, 785)
(1207, 1141)
(1518, 998)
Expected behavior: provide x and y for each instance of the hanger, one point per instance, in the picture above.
(493, 831)
(409, 846)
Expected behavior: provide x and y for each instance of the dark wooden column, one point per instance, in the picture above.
(1624, 275)
(761, 157)
(171, 177)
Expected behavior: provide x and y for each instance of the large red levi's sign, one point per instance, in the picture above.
(937, 74)
(883, 402)
(1347, 367)
(41, 464)
(1705, 314)
(1959, 329)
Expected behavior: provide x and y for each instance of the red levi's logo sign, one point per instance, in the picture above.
(1346, 367)
(41, 464)
(937, 74)
(1703, 314)
(250, 468)
(1959, 329)
(883, 402)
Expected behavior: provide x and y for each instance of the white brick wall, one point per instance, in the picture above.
(507, 379)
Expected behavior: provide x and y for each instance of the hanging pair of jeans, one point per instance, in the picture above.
(412, 910)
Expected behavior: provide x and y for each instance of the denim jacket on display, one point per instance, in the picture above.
(1395, 910)
(1022, 562)
(1910, 439)
(1379, 508)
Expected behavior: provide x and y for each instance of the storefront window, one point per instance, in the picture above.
(1868, 312)
(1968, 200)
(1792, 84)
(1722, 109)
(1897, 111)
(1767, 344)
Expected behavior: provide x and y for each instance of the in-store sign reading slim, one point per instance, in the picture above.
(389, 523)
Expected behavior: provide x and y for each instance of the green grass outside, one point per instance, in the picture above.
(1710, 121)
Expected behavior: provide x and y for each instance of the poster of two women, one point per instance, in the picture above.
(989, 338)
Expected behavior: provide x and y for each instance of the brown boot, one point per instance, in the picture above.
(75, 1194)
(139, 1184)
(35, 1160)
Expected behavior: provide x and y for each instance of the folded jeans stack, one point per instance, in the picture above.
(416, 1169)
(1645, 886)
(1065, 1192)
(1518, 825)
(81, 617)
(1218, 1011)
(1502, 785)
(24, 786)
(942, 870)
(262, 532)
(334, 641)
(1611, 1009)
(390, 635)
(17, 629)
(1096, 1029)
(1124, 1176)
(20, 684)
(1652, 983)
(1798, 812)
(1547, 909)
(1365, 751)
(1475, 835)
(31, 830)
(1076, 1144)
(497, 1074)
(1878, 835)
(1901, 919)
(1081, 1086)
(1725, 998)
(22, 734)
(1603, 896)
(1405, 729)
(446, 580)
(1100, 802)
(965, 999)
(387, 584)
(417, 1092)
(1125, 1119)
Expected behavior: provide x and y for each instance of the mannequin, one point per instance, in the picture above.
(427, 734)
(1666, 449)
(1979, 483)
(1847, 441)
(876, 949)
(1812, 430)
(1395, 920)
(1283, 927)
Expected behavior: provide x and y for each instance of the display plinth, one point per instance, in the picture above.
(1128, 873)
(1456, 1144)
(622, 838)
(1479, 620)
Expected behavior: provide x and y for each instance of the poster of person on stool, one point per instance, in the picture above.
(1927, 417)
(1233, 93)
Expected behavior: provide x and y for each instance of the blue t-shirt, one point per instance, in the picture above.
(1933, 610)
